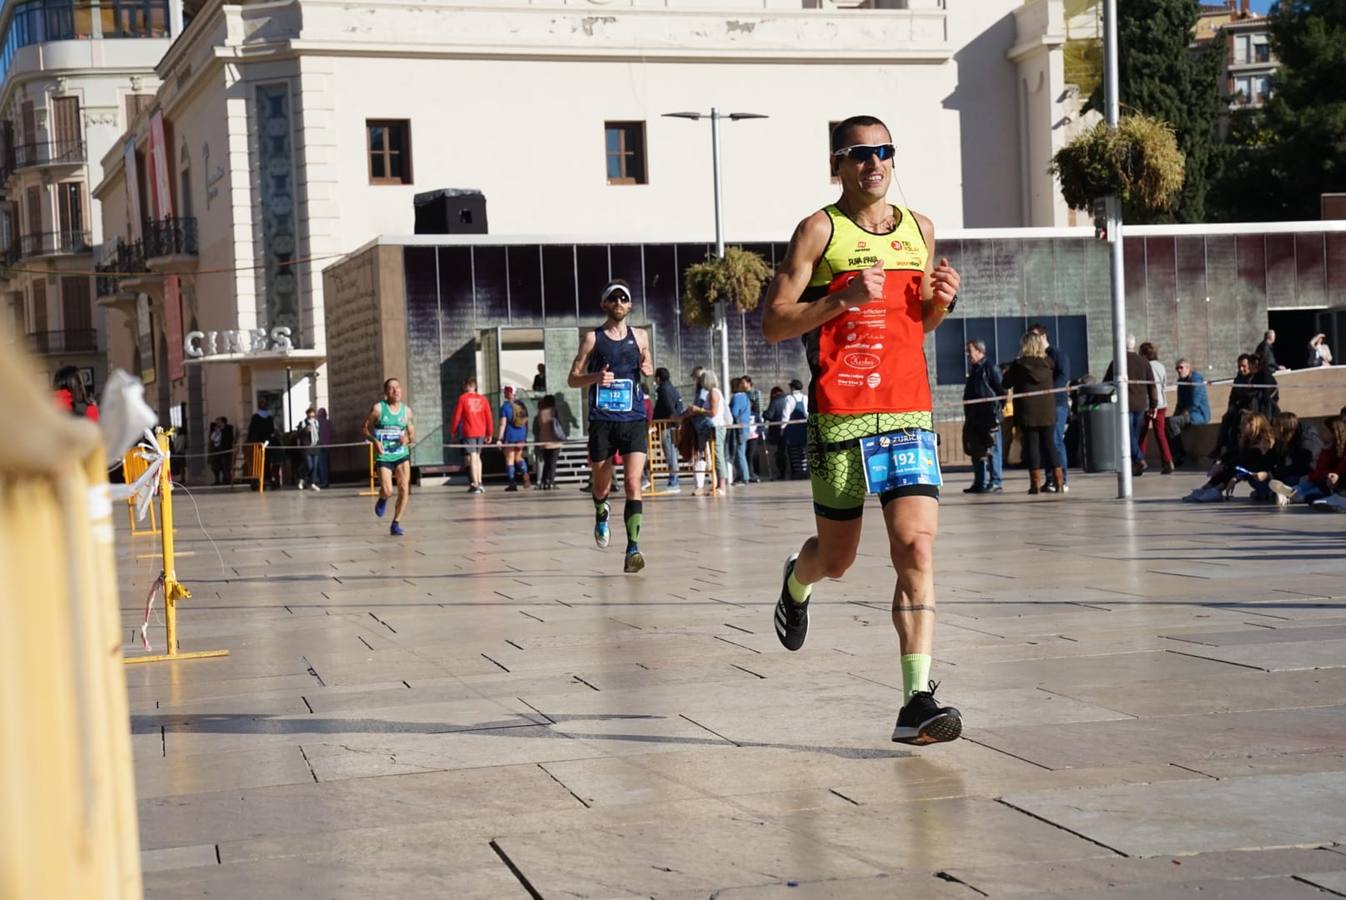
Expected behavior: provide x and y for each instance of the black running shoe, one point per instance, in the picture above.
(923, 721)
(792, 619)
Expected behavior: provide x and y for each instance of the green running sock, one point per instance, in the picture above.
(799, 592)
(633, 512)
(600, 509)
(915, 674)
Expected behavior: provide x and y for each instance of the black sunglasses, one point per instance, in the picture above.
(619, 297)
(862, 152)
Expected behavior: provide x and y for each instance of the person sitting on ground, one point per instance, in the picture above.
(1297, 446)
(1192, 407)
(1329, 471)
(1250, 460)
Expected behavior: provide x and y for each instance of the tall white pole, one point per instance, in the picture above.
(1112, 106)
(721, 316)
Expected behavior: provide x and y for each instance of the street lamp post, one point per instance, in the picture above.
(1111, 103)
(721, 312)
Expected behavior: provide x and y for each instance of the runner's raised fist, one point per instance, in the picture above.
(865, 286)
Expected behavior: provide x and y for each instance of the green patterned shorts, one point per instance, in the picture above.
(838, 476)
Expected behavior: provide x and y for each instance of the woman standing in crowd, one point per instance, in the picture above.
(549, 433)
(1035, 414)
(1154, 420)
(740, 411)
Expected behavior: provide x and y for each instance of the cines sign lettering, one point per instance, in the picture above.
(253, 341)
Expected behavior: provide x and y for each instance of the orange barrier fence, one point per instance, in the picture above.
(660, 465)
(373, 476)
(67, 800)
(133, 467)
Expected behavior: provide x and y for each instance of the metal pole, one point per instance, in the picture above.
(721, 316)
(1113, 211)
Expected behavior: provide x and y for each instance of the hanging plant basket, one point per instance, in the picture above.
(1138, 161)
(739, 278)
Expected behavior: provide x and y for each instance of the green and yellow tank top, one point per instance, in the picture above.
(870, 359)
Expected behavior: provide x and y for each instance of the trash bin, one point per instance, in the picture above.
(1098, 416)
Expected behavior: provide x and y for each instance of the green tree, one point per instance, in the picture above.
(1163, 76)
(1284, 156)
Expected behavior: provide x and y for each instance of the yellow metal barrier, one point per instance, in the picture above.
(173, 590)
(67, 800)
(373, 477)
(133, 466)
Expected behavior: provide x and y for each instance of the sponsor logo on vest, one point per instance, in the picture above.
(862, 360)
(861, 245)
(851, 337)
(873, 379)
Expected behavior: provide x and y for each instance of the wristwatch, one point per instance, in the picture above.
(952, 303)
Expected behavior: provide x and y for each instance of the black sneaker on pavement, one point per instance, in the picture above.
(923, 721)
(792, 619)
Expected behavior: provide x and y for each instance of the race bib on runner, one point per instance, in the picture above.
(900, 459)
(616, 397)
(390, 439)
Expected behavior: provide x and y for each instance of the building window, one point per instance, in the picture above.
(1243, 89)
(389, 151)
(625, 145)
(134, 18)
(1001, 334)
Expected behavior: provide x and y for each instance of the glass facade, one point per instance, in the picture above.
(39, 21)
(1206, 297)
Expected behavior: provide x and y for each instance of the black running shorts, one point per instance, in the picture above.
(607, 438)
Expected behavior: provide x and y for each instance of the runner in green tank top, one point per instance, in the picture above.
(391, 429)
(861, 284)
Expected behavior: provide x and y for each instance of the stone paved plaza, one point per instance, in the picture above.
(1153, 696)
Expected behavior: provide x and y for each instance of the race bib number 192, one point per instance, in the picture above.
(900, 459)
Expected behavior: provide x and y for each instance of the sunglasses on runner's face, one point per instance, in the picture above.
(619, 297)
(862, 152)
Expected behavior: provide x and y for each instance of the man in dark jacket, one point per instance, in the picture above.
(1142, 398)
(668, 405)
(1266, 352)
(981, 420)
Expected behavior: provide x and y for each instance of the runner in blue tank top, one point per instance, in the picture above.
(610, 362)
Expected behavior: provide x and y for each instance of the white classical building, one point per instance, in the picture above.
(73, 76)
(293, 133)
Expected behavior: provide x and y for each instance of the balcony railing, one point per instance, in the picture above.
(48, 153)
(170, 237)
(54, 243)
(118, 262)
(69, 340)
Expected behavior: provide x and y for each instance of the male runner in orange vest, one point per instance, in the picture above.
(859, 284)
